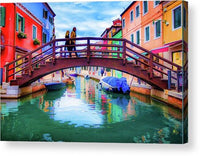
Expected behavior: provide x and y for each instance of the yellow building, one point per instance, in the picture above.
(175, 34)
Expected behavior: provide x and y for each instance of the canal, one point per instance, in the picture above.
(85, 113)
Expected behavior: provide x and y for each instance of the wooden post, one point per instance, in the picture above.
(178, 81)
(54, 52)
(124, 52)
(151, 66)
(88, 50)
(169, 73)
(30, 64)
(6, 72)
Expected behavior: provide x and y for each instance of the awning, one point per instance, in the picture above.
(160, 49)
(166, 47)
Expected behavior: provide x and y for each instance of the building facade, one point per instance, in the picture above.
(175, 17)
(46, 15)
(19, 30)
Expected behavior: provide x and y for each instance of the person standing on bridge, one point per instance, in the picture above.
(67, 43)
(73, 42)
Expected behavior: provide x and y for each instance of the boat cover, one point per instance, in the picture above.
(119, 83)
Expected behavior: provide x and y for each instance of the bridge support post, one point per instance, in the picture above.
(179, 81)
(124, 52)
(169, 73)
(54, 53)
(30, 64)
(88, 50)
(6, 73)
(151, 66)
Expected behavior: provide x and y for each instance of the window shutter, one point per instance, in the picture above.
(23, 24)
(3, 14)
(17, 18)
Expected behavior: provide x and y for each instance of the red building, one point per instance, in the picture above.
(19, 30)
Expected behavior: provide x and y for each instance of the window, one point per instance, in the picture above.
(137, 11)
(184, 17)
(123, 23)
(20, 23)
(51, 20)
(157, 28)
(45, 13)
(147, 35)
(132, 38)
(131, 16)
(34, 32)
(176, 17)
(156, 3)
(44, 38)
(2, 16)
(138, 37)
(145, 7)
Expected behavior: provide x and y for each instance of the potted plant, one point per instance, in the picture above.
(36, 42)
(21, 35)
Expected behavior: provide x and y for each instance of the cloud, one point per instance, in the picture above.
(90, 18)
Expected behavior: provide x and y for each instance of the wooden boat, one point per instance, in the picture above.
(68, 81)
(54, 86)
(116, 85)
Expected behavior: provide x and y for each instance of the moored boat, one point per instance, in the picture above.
(54, 86)
(74, 75)
(116, 85)
(68, 81)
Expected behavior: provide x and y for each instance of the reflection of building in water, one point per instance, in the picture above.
(8, 107)
(131, 108)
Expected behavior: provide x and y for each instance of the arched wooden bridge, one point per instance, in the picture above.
(124, 56)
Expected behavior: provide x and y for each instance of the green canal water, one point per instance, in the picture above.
(85, 113)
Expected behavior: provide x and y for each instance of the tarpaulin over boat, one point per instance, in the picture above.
(119, 83)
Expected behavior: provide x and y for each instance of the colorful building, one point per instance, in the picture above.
(175, 18)
(46, 15)
(142, 24)
(19, 30)
(118, 35)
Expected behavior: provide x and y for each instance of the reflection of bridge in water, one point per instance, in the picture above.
(93, 52)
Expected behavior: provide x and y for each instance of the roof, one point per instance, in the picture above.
(127, 8)
(106, 30)
(49, 8)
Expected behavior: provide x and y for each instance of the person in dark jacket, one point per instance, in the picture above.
(73, 42)
(67, 43)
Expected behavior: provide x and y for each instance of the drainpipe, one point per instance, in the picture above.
(14, 46)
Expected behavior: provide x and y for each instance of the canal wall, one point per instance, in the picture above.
(14, 92)
(169, 97)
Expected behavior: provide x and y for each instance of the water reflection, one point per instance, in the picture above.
(83, 112)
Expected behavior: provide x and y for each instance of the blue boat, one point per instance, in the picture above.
(74, 75)
(116, 85)
(54, 86)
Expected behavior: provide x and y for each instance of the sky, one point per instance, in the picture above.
(90, 18)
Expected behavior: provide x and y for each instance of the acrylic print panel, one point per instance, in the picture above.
(94, 71)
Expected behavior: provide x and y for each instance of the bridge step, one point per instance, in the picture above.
(19, 77)
(13, 82)
(37, 68)
(25, 74)
(42, 65)
(142, 69)
(136, 66)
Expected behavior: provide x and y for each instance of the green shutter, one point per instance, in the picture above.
(3, 14)
(17, 18)
(23, 24)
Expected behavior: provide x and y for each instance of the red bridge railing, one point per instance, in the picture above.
(90, 47)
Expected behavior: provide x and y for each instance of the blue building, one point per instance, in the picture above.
(46, 15)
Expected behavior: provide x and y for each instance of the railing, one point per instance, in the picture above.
(91, 47)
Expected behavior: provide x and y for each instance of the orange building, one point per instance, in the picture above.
(142, 24)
